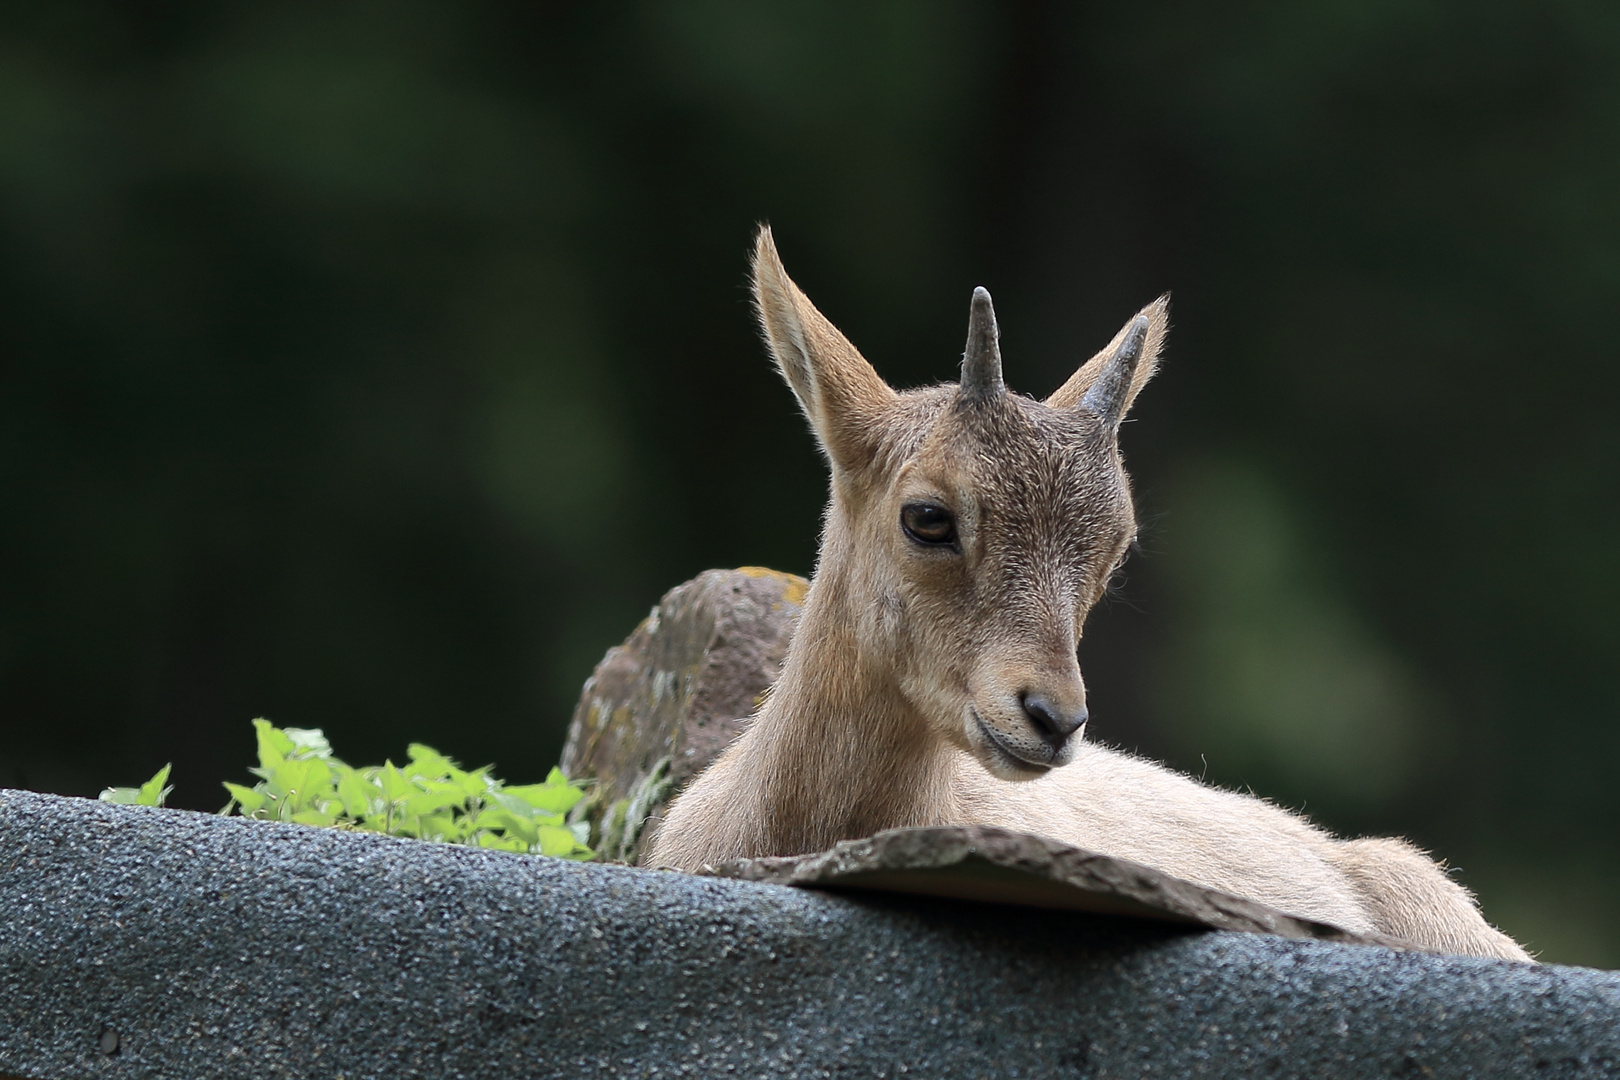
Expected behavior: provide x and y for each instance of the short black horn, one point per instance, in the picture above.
(1107, 395)
(981, 361)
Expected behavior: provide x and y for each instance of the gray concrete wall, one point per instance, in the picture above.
(154, 943)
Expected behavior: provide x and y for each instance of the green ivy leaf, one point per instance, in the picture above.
(356, 793)
(521, 827)
(547, 797)
(490, 817)
(472, 785)
(556, 840)
(441, 827)
(501, 843)
(153, 792)
(307, 742)
(313, 817)
(305, 782)
(427, 762)
(514, 805)
(274, 746)
(249, 800)
(430, 802)
(395, 787)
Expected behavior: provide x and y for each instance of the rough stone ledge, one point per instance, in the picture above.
(154, 943)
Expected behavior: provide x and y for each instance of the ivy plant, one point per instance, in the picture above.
(430, 797)
(151, 793)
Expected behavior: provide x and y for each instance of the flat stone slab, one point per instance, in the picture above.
(154, 943)
(992, 865)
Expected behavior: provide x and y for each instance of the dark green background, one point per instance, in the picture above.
(376, 366)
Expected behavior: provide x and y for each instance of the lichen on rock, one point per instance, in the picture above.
(663, 705)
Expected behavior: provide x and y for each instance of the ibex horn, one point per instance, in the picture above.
(981, 361)
(1107, 395)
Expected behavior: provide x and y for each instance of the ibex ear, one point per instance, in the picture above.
(1108, 383)
(838, 390)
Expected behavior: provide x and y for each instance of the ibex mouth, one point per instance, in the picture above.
(1008, 757)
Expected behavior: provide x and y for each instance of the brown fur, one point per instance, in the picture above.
(903, 697)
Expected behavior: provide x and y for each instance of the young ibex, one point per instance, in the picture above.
(933, 680)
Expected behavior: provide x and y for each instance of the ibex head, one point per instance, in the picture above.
(970, 528)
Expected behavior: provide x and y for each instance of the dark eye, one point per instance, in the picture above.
(928, 523)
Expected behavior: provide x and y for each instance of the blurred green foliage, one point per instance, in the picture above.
(155, 792)
(378, 365)
(429, 798)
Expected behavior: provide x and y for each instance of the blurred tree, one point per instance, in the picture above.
(374, 367)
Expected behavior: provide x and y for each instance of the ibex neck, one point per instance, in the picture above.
(836, 751)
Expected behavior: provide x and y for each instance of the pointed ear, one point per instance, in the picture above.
(1128, 369)
(838, 390)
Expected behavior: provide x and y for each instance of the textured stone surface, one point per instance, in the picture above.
(154, 943)
(662, 705)
(993, 865)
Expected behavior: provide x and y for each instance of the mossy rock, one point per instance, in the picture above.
(664, 704)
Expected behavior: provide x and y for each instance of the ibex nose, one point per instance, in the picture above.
(1051, 723)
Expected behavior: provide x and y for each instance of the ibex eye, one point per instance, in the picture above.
(928, 523)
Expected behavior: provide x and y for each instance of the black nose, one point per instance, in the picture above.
(1051, 723)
